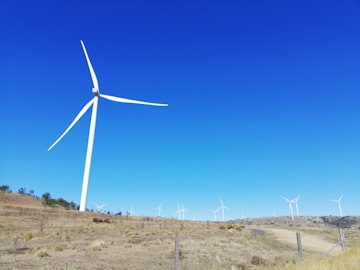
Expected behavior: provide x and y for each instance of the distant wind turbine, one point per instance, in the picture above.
(290, 206)
(99, 208)
(178, 211)
(214, 211)
(338, 202)
(159, 208)
(94, 102)
(296, 205)
(131, 212)
(222, 207)
(183, 210)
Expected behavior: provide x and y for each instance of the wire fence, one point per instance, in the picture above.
(351, 239)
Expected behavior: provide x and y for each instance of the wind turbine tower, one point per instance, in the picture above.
(131, 212)
(296, 205)
(338, 202)
(94, 102)
(290, 207)
(159, 209)
(183, 210)
(214, 211)
(222, 207)
(178, 211)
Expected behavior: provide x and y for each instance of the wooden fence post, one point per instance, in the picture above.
(342, 239)
(176, 262)
(300, 250)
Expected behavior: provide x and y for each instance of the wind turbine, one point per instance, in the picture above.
(296, 205)
(222, 207)
(131, 212)
(99, 208)
(94, 102)
(214, 211)
(183, 210)
(338, 202)
(290, 206)
(178, 211)
(160, 210)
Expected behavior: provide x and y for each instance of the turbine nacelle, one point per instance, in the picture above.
(96, 92)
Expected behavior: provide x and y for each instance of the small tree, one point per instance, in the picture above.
(62, 202)
(5, 188)
(22, 191)
(46, 197)
(31, 193)
(72, 205)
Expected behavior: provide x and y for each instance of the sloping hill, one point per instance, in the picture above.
(14, 199)
(37, 237)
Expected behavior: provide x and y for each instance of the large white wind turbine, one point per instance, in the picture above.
(338, 202)
(290, 206)
(94, 102)
(160, 209)
(222, 207)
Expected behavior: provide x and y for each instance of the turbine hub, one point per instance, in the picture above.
(96, 91)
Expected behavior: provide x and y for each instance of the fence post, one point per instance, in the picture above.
(342, 239)
(300, 250)
(176, 262)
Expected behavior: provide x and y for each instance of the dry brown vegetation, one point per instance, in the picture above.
(35, 237)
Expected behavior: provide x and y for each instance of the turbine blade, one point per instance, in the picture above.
(80, 114)
(284, 198)
(125, 100)
(92, 72)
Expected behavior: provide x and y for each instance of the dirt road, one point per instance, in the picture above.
(309, 241)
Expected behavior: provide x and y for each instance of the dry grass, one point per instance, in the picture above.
(350, 260)
(35, 237)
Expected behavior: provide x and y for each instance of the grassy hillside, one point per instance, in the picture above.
(35, 237)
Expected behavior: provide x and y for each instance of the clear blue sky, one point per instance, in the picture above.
(264, 101)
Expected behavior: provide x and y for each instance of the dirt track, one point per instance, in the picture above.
(309, 241)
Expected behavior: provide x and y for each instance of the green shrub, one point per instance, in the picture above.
(28, 236)
(222, 227)
(238, 228)
(230, 226)
(97, 220)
